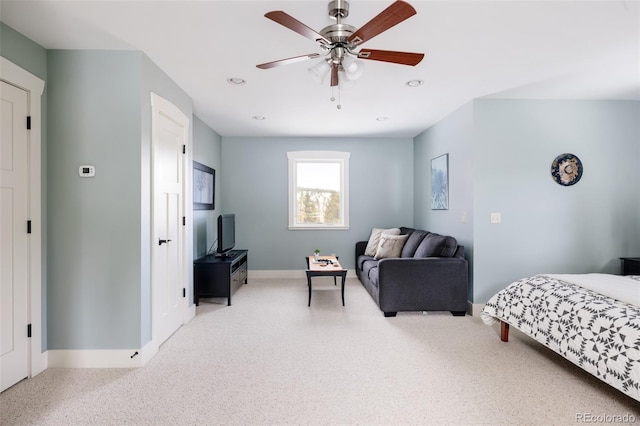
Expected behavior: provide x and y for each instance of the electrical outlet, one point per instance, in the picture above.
(496, 218)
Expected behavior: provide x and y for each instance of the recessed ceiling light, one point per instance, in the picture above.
(382, 118)
(414, 83)
(236, 81)
(259, 117)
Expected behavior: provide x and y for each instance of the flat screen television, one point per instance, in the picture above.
(226, 234)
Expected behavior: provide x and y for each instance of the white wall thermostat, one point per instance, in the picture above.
(87, 171)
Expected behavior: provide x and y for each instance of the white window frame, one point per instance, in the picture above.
(342, 158)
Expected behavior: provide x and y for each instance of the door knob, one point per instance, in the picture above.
(162, 241)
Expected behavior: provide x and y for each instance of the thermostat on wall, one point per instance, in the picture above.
(87, 171)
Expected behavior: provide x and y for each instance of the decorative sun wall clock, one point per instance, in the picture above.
(566, 169)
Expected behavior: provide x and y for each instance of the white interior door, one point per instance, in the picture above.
(14, 244)
(168, 273)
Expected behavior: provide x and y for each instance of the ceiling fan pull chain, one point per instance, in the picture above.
(333, 98)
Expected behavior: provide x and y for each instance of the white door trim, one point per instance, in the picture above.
(160, 105)
(12, 73)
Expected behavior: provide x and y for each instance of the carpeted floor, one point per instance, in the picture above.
(270, 359)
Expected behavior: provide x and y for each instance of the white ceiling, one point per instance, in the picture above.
(506, 49)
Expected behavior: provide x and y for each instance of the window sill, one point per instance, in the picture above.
(319, 228)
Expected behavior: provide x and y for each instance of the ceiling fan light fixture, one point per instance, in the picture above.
(353, 69)
(319, 71)
(344, 82)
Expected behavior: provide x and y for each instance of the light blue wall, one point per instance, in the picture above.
(96, 253)
(32, 57)
(23, 51)
(254, 187)
(206, 150)
(453, 136)
(548, 228)
(94, 227)
(99, 237)
(500, 154)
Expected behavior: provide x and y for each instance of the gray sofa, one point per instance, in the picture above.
(431, 274)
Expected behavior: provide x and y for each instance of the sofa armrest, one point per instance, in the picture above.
(430, 283)
(361, 246)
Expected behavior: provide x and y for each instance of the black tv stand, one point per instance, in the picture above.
(219, 275)
(228, 253)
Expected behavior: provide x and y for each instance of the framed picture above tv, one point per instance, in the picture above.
(204, 187)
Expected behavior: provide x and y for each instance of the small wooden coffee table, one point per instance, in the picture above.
(322, 269)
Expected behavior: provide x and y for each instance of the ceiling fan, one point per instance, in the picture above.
(340, 42)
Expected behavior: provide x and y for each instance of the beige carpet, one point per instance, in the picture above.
(270, 359)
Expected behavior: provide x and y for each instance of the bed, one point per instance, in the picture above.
(593, 320)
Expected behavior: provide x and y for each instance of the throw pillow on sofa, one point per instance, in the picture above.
(374, 239)
(412, 244)
(390, 246)
(436, 245)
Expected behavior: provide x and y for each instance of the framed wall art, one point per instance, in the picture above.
(440, 183)
(204, 185)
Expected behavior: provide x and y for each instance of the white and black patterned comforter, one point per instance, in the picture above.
(596, 332)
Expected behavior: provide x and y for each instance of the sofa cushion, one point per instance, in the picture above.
(374, 239)
(414, 240)
(390, 245)
(436, 245)
(361, 259)
(373, 277)
(368, 266)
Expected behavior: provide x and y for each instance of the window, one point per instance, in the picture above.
(318, 190)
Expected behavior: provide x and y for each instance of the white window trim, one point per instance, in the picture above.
(308, 156)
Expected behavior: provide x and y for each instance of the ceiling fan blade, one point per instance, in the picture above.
(287, 61)
(293, 24)
(392, 15)
(334, 75)
(404, 58)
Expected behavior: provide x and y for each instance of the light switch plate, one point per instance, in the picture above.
(496, 218)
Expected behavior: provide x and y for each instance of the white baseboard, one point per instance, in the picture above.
(39, 363)
(285, 274)
(475, 309)
(108, 358)
(189, 314)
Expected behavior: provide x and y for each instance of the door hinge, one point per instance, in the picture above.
(184, 149)
(184, 292)
(28, 122)
(28, 330)
(184, 221)
(28, 227)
